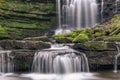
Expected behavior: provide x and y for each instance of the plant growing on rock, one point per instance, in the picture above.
(81, 38)
(112, 38)
(61, 38)
(95, 45)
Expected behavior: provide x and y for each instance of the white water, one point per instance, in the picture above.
(116, 57)
(75, 76)
(59, 12)
(105, 75)
(102, 9)
(76, 14)
(63, 60)
(6, 62)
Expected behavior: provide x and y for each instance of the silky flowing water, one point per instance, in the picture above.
(6, 61)
(76, 14)
(116, 57)
(60, 60)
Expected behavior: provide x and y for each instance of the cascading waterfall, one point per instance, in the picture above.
(60, 60)
(76, 14)
(116, 57)
(6, 62)
(102, 9)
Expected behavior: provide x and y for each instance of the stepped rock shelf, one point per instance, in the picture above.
(23, 57)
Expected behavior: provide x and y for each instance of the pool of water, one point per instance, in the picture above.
(106, 75)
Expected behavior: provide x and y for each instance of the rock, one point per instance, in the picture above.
(99, 59)
(23, 60)
(95, 46)
(39, 38)
(17, 44)
(108, 10)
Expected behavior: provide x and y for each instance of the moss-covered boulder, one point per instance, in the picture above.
(81, 38)
(61, 38)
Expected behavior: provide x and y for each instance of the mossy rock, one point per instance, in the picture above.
(115, 32)
(64, 40)
(40, 38)
(96, 45)
(97, 34)
(22, 44)
(72, 34)
(81, 38)
(112, 38)
(21, 19)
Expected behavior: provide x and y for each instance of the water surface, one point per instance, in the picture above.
(106, 75)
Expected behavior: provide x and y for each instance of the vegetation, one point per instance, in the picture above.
(96, 45)
(40, 38)
(20, 19)
(108, 31)
(62, 38)
(81, 38)
(30, 18)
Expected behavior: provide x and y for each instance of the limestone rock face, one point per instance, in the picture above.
(107, 9)
(118, 6)
(30, 45)
(22, 60)
(99, 57)
(22, 53)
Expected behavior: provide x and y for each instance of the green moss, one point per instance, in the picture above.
(3, 33)
(61, 38)
(112, 38)
(22, 19)
(97, 34)
(64, 40)
(40, 38)
(95, 45)
(87, 32)
(81, 38)
(58, 36)
(72, 34)
(115, 32)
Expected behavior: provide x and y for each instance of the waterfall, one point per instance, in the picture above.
(116, 57)
(61, 60)
(76, 14)
(6, 62)
(102, 9)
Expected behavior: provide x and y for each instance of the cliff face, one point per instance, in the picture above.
(106, 9)
(19, 19)
(118, 7)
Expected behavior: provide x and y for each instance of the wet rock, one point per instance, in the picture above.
(95, 46)
(23, 60)
(99, 57)
(39, 38)
(30, 45)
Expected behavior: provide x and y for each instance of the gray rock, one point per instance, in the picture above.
(30, 45)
